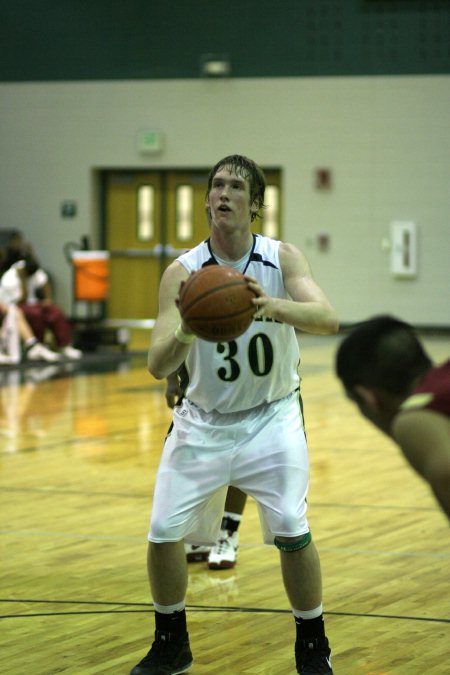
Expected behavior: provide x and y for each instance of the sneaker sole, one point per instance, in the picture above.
(178, 671)
(224, 565)
(183, 670)
(44, 360)
(197, 557)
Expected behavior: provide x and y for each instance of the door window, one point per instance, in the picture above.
(184, 212)
(145, 212)
(271, 215)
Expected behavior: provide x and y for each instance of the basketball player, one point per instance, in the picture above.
(390, 377)
(223, 555)
(240, 421)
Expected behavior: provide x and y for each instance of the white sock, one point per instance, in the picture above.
(169, 609)
(308, 613)
(233, 516)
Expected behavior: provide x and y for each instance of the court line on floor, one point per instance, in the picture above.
(81, 493)
(148, 607)
(329, 549)
(56, 444)
(145, 495)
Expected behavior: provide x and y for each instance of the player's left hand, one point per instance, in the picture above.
(173, 390)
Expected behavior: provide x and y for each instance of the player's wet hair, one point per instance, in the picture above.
(381, 352)
(248, 169)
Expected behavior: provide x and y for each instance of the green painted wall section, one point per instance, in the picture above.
(143, 39)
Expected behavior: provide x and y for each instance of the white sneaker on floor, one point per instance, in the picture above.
(223, 555)
(196, 553)
(6, 359)
(39, 352)
(70, 352)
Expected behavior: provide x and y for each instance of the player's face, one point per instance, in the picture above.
(229, 199)
(370, 409)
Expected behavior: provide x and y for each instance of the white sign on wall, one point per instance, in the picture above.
(403, 249)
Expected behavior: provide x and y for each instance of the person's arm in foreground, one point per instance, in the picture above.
(424, 437)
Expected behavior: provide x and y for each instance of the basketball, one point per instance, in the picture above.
(216, 303)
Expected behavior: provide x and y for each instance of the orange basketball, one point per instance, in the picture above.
(216, 303)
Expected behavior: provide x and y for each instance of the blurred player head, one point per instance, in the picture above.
(378, 363)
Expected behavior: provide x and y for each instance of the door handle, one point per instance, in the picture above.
(172, 252)
(154, 252)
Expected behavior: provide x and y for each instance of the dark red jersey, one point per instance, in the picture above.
(432, 392)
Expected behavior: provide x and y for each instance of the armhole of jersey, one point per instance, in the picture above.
(183, 374)
(277, 256)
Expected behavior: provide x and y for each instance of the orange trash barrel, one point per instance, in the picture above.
(91, 275)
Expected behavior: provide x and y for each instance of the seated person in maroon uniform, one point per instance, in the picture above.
(26, 284)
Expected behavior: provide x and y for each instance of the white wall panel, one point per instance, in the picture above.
(385, 139)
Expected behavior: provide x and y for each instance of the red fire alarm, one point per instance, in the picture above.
(323, 179)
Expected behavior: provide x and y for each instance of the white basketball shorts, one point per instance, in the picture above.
(261, 451)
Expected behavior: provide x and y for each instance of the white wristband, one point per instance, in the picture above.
(181, 336)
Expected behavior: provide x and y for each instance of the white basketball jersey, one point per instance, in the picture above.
(260, 365)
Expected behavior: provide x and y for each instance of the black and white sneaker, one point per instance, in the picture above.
(196, 553)
(169, 655)
(223, 555)
(313, 657)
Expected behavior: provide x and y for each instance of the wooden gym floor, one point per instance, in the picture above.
(78, 456)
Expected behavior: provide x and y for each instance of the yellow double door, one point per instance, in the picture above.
(152, 217)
